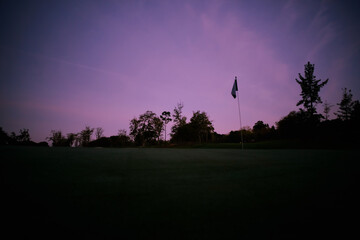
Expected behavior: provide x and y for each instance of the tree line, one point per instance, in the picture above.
(21, 139)
(307, 124)
(145, 130)
(150, 129)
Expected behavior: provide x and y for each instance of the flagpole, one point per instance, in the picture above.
(242, 140)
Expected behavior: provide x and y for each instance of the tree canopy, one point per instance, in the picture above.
(310, 88)
(199, 129)
(345, 106)
(146, 129)
(165, 116)
(201, 125)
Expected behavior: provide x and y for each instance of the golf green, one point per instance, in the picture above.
(151, 193)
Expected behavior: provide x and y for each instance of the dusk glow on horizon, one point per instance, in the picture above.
(68, 64)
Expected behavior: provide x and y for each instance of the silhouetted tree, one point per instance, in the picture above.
(165, 116)
(260, 125)
(248, 135)
(199, 129)
(4, 138)
(57, 139)
(261, 131)
(146, 129)
(184, 133)
(345, 106)
(158, 126)
(22, 139)
(120, 140)
(219, 138)
(135, 131)
(310, 88)
(235, 136)
(327, 108)
(295, 125)
(85, 136)
(179, 121)
(201, 126)
(123, 139)
(77, 140)
(71, 138)
(99, 132)
(13, 140)
(24, 136)
(355, 114)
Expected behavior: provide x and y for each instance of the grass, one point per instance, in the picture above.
(176, 193)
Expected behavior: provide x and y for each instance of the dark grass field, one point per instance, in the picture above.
(144, 193)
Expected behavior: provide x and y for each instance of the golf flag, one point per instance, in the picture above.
(234, 89)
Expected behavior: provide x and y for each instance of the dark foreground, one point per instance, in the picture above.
(178, 193)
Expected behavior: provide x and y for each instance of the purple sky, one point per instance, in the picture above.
(67, 64)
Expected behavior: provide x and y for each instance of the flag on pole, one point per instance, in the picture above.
(234, 89)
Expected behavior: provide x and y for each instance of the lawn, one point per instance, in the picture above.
(152, 193)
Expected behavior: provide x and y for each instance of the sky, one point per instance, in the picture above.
(65, 65)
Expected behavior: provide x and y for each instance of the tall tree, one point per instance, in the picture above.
(146, 129)
(346, 105)
(122, 139)
(4, 138)
(57, 139)
(24, 136)
(327, 108)
(165, 116)
(85, 136)
(135, 130)
(310, 88)
(261, 131)
(179, 119)
(13, 139)
(201, 126)
(158, 127)
(71, 138)
(99, 132)
(260, 125)
(355, 114)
